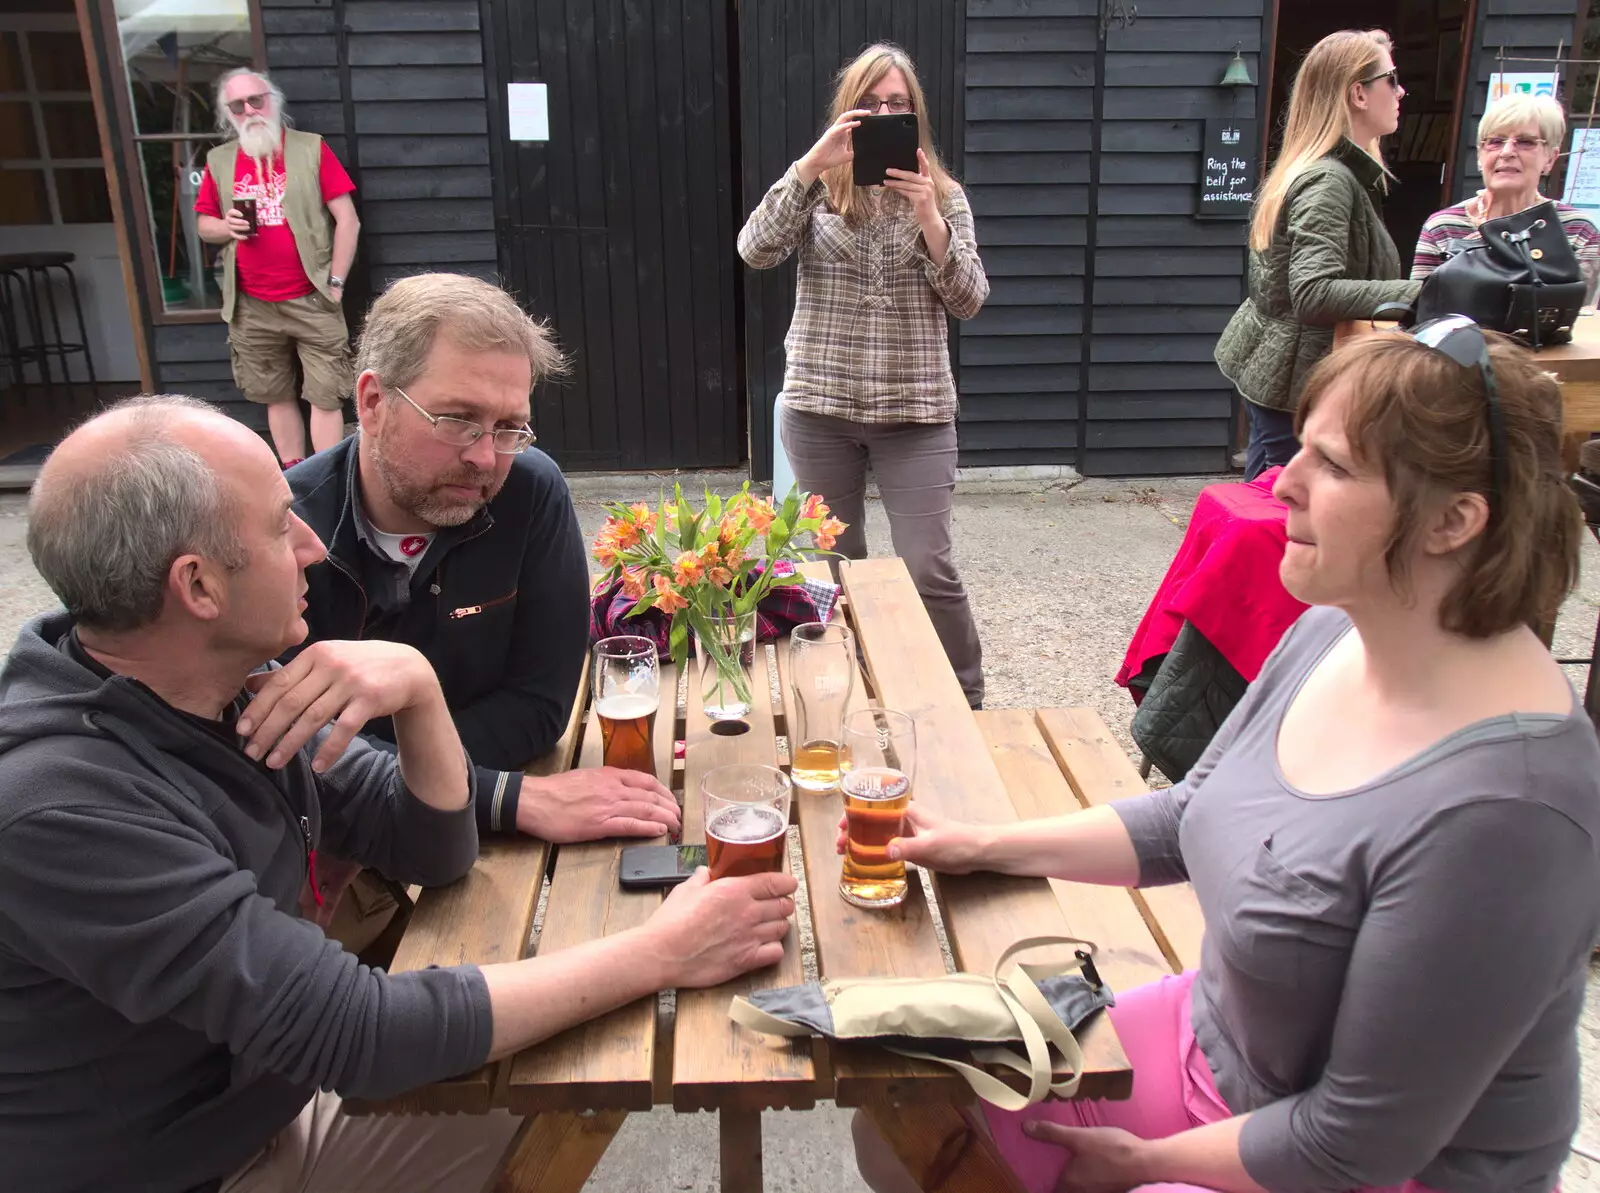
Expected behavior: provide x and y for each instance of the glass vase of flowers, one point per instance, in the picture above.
(709, 569)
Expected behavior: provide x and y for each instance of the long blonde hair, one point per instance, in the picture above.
(1319, 115)
(851, 84)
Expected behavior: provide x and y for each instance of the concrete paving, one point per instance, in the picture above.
(1059, 579)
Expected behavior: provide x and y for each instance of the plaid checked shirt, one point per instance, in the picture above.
(869, 340)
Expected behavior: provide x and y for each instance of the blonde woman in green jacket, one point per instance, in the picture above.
(1319, 251)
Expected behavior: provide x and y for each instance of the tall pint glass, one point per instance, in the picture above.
(877, 761)
(822, 670)
(627, 691)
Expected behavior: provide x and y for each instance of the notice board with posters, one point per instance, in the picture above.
(1229, 170)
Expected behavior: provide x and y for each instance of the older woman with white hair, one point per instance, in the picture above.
(1519, 140)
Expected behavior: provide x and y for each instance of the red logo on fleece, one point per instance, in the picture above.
(412, 544)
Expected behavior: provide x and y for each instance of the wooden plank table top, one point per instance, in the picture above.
(1576, 366)
(576, 1088)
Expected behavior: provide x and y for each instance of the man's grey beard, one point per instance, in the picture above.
(426, 502)
(260, 137)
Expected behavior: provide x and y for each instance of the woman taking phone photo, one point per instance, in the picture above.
(867, 381)
(1319, 253)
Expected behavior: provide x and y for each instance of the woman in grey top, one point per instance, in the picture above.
(1393, 837)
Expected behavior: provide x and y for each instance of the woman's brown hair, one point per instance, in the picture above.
(1422, 420)
(857, 77)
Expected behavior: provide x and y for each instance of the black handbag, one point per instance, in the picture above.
(1522, 279)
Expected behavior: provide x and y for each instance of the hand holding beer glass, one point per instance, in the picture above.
(627, 692)
(747, 819)
(877, 761)
(822, 670)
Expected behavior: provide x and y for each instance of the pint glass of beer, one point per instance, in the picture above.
(822, 670)
(747, 819)
(877, 759)
(627, 690)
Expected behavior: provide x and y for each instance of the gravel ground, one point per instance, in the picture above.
(1055, 619)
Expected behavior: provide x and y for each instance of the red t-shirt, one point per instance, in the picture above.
(269, 261)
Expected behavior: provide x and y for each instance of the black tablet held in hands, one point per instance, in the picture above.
(884, 142)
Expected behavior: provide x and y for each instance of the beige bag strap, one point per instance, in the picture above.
(1037, 1023)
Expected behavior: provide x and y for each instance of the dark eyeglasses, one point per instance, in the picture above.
(1463, 341)
(899, 104)
(1392, 75)
(256, 102)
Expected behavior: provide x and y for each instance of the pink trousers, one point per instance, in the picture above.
(1173, 1091)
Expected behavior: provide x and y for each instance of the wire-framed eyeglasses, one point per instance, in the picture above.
(1520, 144)
(1463, 341)
(461, 432)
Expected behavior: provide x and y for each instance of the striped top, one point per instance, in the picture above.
(1460, 223)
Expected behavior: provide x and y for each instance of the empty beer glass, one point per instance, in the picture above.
(822, 671)
(747, 818)
(627, 691)
(877, 761)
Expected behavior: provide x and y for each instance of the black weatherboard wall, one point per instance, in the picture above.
(1165, 283)
(1524, 29)
(1095, 347)
(1030, 89)
(789, 52)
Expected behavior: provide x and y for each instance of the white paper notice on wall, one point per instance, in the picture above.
(528, 111)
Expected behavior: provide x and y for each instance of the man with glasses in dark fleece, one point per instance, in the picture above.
(447, 531)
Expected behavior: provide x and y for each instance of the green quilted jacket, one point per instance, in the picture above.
(1330, 259)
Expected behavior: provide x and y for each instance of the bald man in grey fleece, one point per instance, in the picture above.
(168, 1022)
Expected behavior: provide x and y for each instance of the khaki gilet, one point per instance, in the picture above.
(302, 207)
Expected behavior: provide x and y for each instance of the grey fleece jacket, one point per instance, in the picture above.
(164, 1011)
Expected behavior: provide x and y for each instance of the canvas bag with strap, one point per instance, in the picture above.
(1034, 1005)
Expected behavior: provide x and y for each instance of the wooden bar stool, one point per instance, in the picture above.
(28, 303)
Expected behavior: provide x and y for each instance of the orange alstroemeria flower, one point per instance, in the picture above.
(632, 583)
(627, 535)
(643, 517)
(814, 508)
(760, 515)
(721, 577)
(828, 533)
(688, 568)
(668, 599)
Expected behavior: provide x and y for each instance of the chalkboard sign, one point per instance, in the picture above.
(1228, 170)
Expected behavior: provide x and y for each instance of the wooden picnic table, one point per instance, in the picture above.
(576, 1089)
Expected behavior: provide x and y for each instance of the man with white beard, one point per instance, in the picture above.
(283, 272)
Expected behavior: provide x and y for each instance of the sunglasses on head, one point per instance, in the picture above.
(256, 102)
(1463, 341)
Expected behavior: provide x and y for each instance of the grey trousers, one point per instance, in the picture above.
(915, 467)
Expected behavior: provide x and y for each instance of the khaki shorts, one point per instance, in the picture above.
(264, 337)
(328, 1151)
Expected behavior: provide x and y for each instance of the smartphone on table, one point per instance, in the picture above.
(881, 143)
(646, 866)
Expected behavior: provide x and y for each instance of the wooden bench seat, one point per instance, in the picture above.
(1099, 772)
